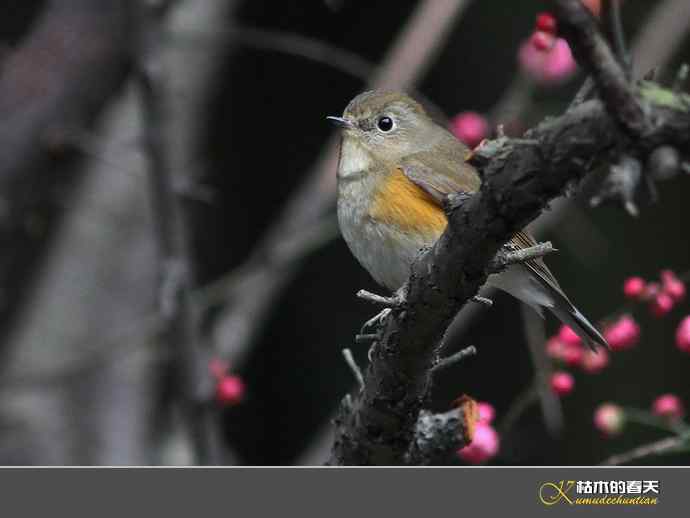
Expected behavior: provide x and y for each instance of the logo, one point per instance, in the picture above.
(599, 492)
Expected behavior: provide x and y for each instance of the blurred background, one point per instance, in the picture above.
(231, 96)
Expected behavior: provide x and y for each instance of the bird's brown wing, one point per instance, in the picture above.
(443, 170)
(439, 177)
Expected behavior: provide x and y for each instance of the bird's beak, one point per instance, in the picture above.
(341, 122)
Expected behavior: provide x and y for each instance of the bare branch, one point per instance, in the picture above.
(664, 446)
(356, 371)
(451, 360)
(180, 327)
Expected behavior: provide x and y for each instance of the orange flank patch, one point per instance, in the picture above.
(402, 204)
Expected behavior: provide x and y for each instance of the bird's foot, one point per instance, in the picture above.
(375, 321)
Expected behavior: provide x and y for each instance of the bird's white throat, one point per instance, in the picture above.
(354, 159)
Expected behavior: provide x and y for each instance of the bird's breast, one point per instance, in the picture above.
(385, 220)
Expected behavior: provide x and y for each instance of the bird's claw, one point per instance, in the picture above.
(375, 321)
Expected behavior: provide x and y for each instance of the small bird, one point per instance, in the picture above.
(396, 167)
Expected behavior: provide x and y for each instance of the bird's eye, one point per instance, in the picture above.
(385, 124)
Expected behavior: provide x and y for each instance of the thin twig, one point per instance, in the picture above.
(451, 360)
(356, 371)
(664, 446)
(520, 404)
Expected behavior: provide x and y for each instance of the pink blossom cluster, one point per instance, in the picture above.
(661, 296)
(567, 349)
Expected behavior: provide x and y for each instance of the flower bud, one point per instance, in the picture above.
(545, 60)
(469, 127)
(546, 23)
(683, 335)
(672, 285)
(661, 305)
(622, 334)
(609, 419)
(562, 383)
(594, 362)
(634, 287)
(668, 406)
(486, 412)
(230, 390)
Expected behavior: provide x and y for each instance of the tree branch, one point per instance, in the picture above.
(180, 327)
(661, 447)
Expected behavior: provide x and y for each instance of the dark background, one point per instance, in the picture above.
(265, 126)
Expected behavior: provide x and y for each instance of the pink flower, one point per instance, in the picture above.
(483, 447)
(672, 285)
(562, 383)
(469, 127)
(683, 335)
(623, 334)
(573, 354)
(568, 336)
(594, 362)
(486, 412)
(570, 354)
(547, 66)
(542, 41)
(634, 287)
(669, 406)
(230, 390)
(609, 419)
(661, 305)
